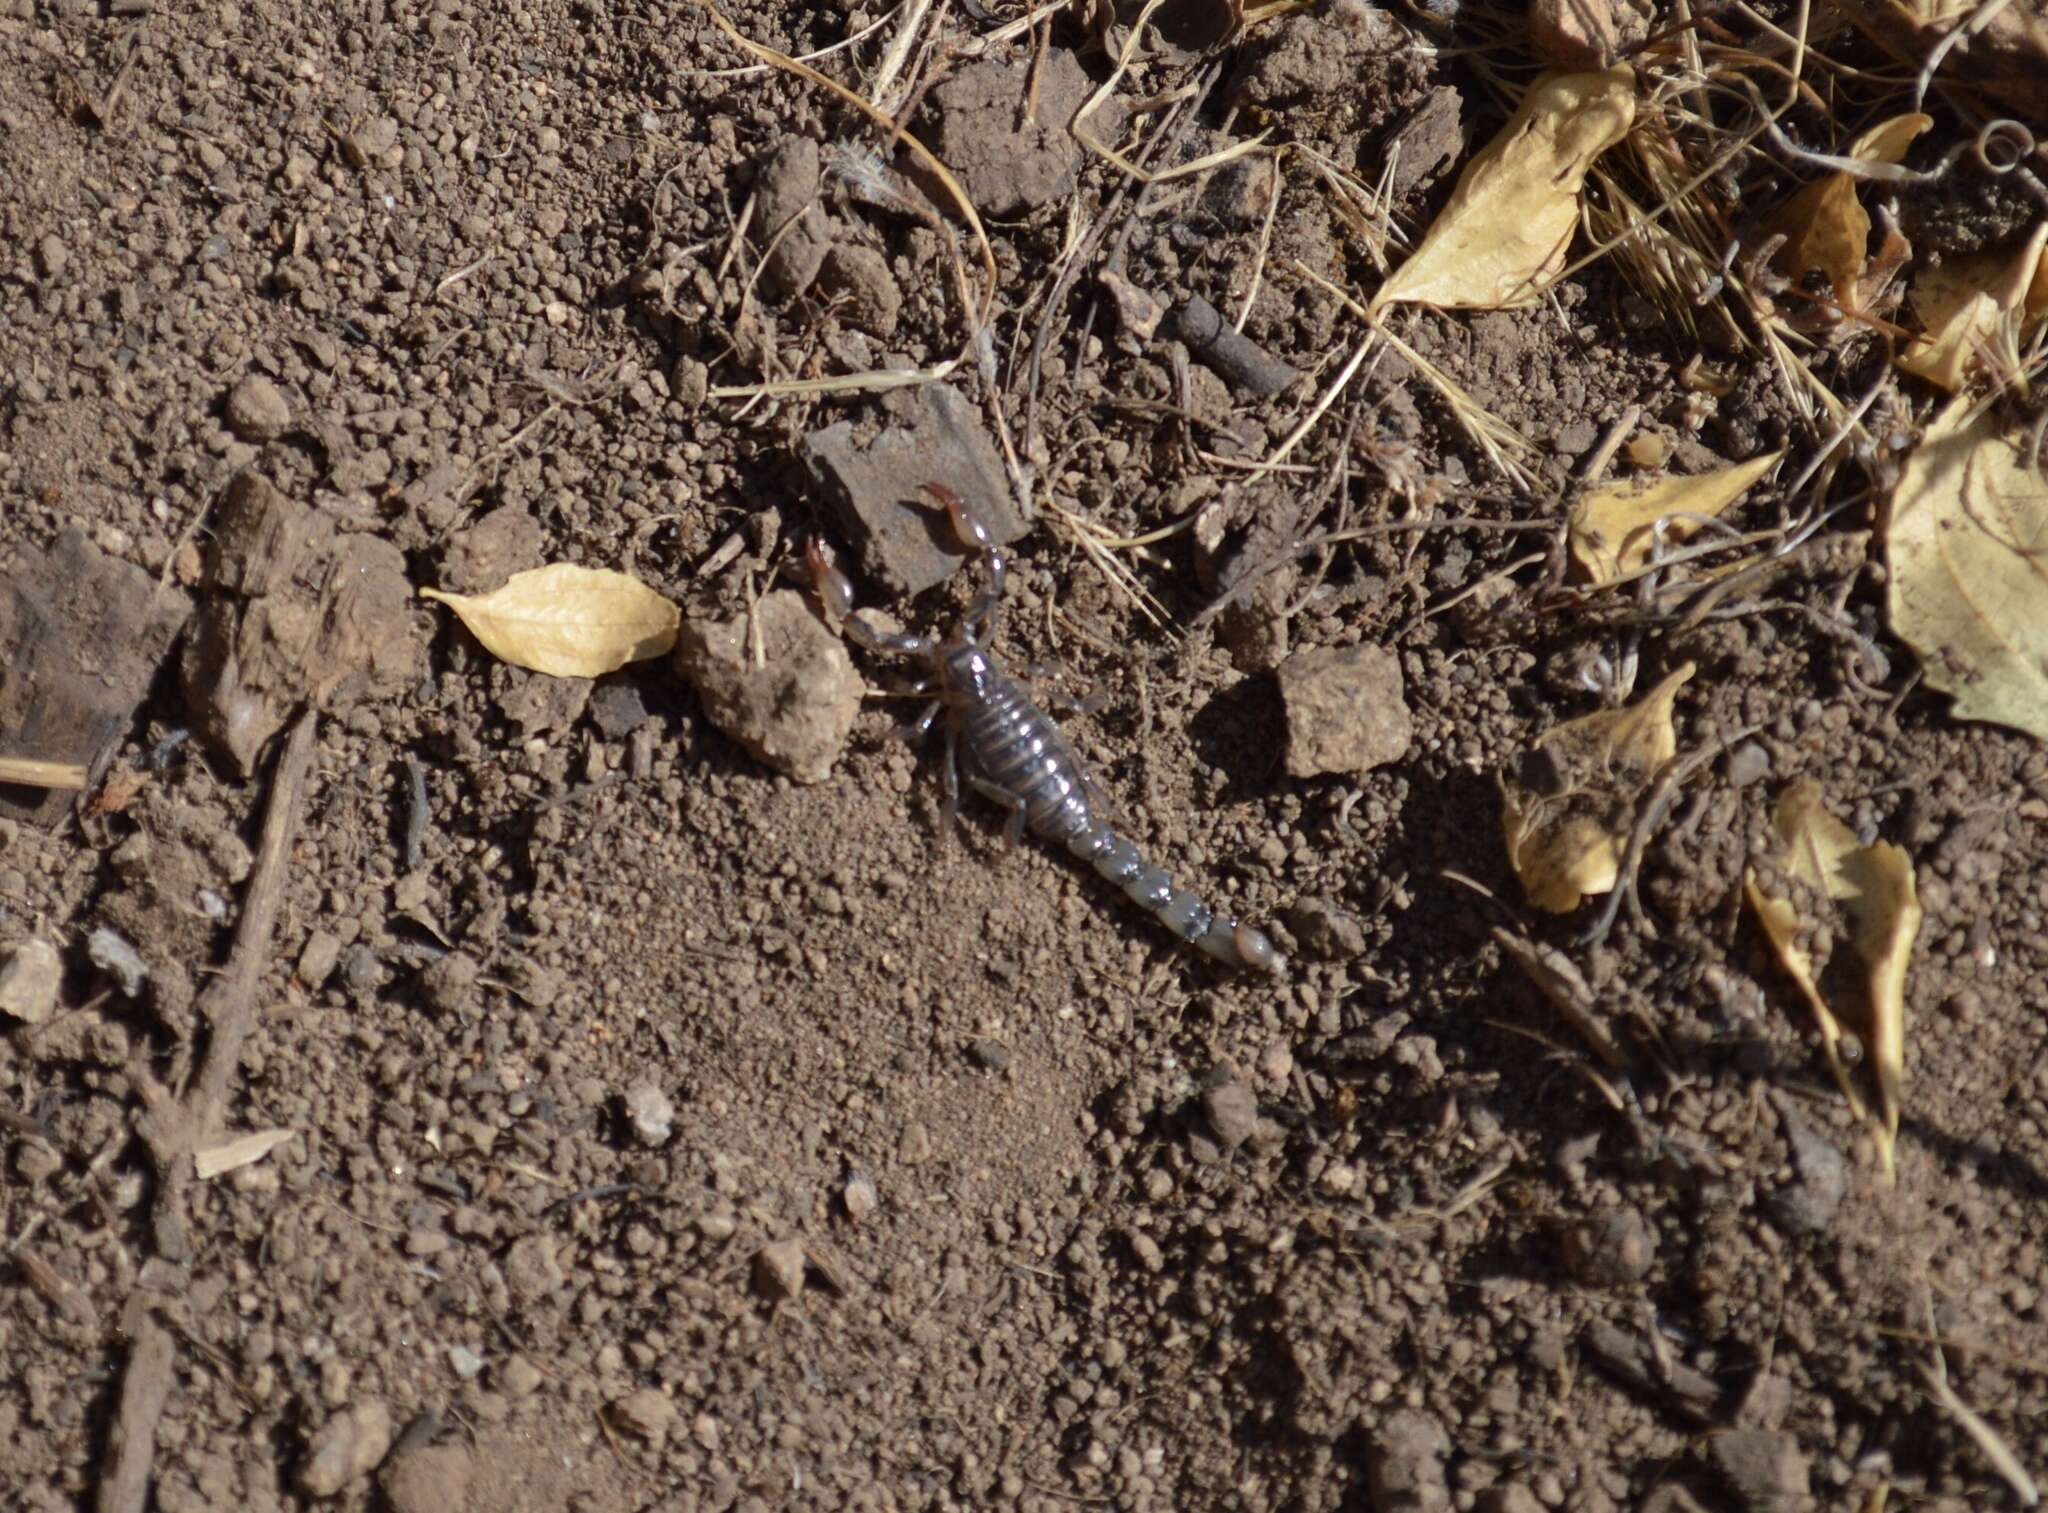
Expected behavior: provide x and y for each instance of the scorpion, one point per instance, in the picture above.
(1016, 754)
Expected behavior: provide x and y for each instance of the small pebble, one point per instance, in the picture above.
(651, 1114)
(317, 961)
(519, 1377)
(464, 1362)
(114, 956)
(29, 981)
(989, 1055)
(779, 1269)
(859, 1196)
(915, 1148)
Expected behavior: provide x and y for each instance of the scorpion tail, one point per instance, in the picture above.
(1230, 941)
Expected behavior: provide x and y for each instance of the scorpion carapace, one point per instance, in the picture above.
(1015, 753)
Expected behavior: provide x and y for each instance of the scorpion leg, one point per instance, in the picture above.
(919, 728)
(1012, 804)
(949, 783)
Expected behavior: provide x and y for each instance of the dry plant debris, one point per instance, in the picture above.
(1825, 226)
(1502, 237)
(568, 621)
(1874, 885)
(1965, 307)
(1999, 48)
(1966, 542)
(1571, 805)
(1616, 528)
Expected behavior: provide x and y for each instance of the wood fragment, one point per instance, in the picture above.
(217, 1160)
(56, 1289)
(31, 773)
(172, 1128)
(1235, 356)
(131, 1441)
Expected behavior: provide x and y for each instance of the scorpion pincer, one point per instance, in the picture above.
(1015, 753)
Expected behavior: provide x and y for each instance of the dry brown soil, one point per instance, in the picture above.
(570, 1054)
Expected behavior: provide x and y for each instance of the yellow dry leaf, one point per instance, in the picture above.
(1503, 234)
(1568, 811)
(1966, 542)
(1961, 305)
(1825, 225)
(572, 622)
(1613, 528)
(1874, 884)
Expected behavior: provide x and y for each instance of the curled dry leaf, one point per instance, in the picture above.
(1825, 225)
(569, 621)
(1503, 235)
(1568, 811)
(1614, 528)
(1966, 541)
(1962, 304)
(1874, 884)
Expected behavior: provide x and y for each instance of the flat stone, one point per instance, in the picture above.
(1347, 710)
(905, 542)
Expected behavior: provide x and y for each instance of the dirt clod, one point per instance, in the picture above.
(859, 280)
(1232, 1111)
(1610, 1249)
(1009, 160)
(1346, 710)
(1326, 930)
(450, 984)
(481, 556)
(531, 1270)
(794, 708)
(256, 410)
(431, 1479)
(788, 216)
(1765, 1469)
(297, 613)
(29, 980)
(649, 1414)
(1406, 1455)
(347, 1448)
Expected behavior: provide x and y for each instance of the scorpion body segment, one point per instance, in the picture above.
(1017, 756)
